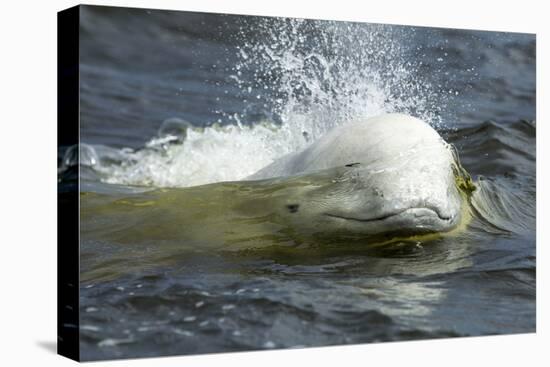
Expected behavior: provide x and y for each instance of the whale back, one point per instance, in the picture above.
(376, 142)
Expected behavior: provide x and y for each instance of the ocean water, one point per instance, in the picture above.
(173, 101)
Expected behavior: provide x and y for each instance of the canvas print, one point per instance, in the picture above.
(235, 183)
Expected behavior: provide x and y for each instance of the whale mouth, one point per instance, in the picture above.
(420, 212)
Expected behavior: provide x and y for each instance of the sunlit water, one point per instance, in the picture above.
(173, 101)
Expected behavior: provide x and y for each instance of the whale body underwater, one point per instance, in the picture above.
(383, 179)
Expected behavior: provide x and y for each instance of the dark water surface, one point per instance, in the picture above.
(174, 100)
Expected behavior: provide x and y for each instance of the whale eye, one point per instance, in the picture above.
(293, 208)
(353, 164)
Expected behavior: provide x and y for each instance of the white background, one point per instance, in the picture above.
(28, 168)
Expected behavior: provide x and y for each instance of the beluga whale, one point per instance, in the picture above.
(390, 176)
(385, 179)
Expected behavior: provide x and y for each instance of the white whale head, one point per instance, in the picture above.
(391, 175)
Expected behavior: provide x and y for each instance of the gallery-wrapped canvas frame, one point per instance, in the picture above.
(233, 183)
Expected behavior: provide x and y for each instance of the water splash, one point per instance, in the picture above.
(306, 76)
(317, 74)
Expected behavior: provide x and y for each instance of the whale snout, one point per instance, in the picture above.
(412, 220)
(439, 212)
(413, 212)
(422, 219)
